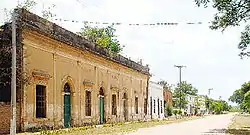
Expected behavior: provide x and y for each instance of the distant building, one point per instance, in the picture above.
(195, 101)
(168, 97)
(156, 101)
(190, 105)
(202, 104)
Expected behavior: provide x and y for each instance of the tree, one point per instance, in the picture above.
(246, 101)
(179, 98)
(217, 107)
(240, 96)
(163, 83)
(105, 37)
(207, 102)
(175, 112)
(197, 103)
(168, 110)
(180, 94)
(231, 13)
(28, 5)
(234, 109)
(179, 112)
(225, 106)
(237, 97)
(188, 88)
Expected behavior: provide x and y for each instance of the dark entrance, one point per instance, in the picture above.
(158, 108)
(151, 107)
(125, 106)
(67, 106)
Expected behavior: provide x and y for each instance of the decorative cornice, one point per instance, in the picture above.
(87, 83)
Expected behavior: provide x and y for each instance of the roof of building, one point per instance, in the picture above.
(32, 21)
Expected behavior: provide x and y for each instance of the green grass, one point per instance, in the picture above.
(240, 125)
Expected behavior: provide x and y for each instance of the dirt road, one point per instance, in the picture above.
(210, 125)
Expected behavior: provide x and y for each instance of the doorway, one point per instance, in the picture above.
(125, 106)
(67, 105)
(101, 105)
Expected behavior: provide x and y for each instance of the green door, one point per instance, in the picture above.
(101, 105)
(67, 110)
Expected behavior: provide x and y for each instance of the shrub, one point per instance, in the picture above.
(175, 112)
(179, 112)
(169, 111)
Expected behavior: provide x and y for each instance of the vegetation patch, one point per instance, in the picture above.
(111, 129)
(240, 125)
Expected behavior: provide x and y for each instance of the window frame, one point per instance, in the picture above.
(88, 105)
(114, 104)
(43, 107)
(136, 105)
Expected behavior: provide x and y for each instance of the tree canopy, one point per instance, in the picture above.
(181, 91)
(105, 37)
(242, 96)
(231, 13)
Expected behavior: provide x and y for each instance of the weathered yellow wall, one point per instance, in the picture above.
(67, 64)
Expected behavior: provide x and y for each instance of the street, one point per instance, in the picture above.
(210, 125)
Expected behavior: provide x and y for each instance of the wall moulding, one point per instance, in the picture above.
(41, 75)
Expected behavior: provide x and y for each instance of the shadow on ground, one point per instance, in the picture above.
(231, 131)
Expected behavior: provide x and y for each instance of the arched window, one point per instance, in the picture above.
(66, 88)
(101, 91)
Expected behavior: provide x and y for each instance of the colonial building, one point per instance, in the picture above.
(156, 101)
(65, 80)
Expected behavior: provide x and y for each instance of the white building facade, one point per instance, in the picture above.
(195, 101)
(155, 100)
(202, 106)
(190, 104)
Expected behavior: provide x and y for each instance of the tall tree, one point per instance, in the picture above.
(163, 83)
(246, 102)
(231, 13)
(105, 37)
(237, 97)
(188, 88)
(240, 96)
(180, 93)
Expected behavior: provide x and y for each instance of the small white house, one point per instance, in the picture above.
(202, 107)
(193, 101)
(190, 105)
(156, 101)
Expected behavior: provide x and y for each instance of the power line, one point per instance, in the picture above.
(163, 23)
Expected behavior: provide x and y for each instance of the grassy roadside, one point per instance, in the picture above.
(240, 125)
(109, 129)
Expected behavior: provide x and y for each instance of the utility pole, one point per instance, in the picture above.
(13, 77)
(180, 67)
(209, 90)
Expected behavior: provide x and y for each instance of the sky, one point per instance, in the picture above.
(211, 57)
